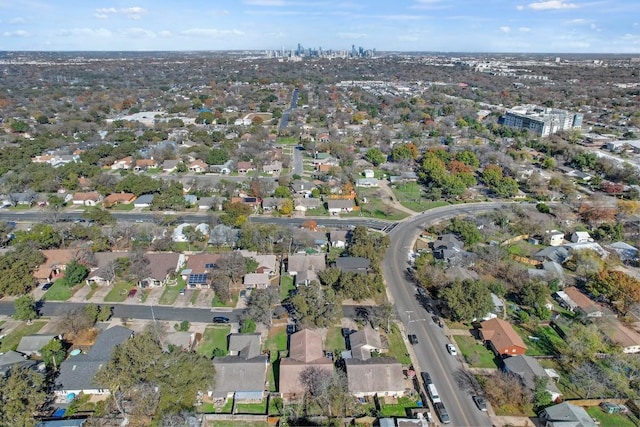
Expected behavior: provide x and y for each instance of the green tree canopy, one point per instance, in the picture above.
(75, 273)
(139, 185)
(16, 270)
(25, 308)
(316, 306)
(42, 236)
(22, 394)
(375, 156)
(467, 300)
(217, 156)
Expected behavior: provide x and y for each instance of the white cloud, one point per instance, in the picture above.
(278, 3)
(577, 21)
(84, 32)
(134, 12)
(139, 33)
(353, 35)
(552, 5)
(17, 20)
(17, 33)
(165, 33)
(520, 7)
(524, 29)
(505, 29)
(210, 32)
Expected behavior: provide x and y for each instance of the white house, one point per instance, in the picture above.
(581, 237)
(368, 173)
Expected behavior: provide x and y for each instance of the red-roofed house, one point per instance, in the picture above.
(502, 338)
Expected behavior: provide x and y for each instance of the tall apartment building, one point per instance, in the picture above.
(542, 121)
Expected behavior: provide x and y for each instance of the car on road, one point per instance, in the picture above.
(442, 412)
(220, 319)
(452, 350)
(426, 378)
(47, 286)
(480, 402)
(413, 339)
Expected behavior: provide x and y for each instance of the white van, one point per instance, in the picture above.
(433, 393)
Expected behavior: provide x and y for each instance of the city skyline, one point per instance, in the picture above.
(563, 26)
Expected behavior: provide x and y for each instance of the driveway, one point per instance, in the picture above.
(388, 198)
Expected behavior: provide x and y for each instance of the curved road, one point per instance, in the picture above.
(430, 351)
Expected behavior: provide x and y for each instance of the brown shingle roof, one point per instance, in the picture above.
(584, 302)
(161, 263)
(54, 258)
(305, 345)
(501, 334)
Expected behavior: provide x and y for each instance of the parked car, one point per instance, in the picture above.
(442, 412)
(183, 291)
(426, 378)
(220, 319)
(480, 402)
(413, 339)
(452, 350)
(132, 293)
(47, 286)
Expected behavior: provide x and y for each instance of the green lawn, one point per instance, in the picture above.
(217, 302)
(475, 353)
(397, 348)
(11, 341)
(398, 409)
(545, 341)
(119, 292)
(610, 420)
(252, 408)
(213, 337)
(288, 140)
(286, 286)
(59, 291)
(93, 290)
(334, 340)
(319, 211)
(276, 342)
(170, 295)
(194, 296)
(206, 408)
(410, 196)
(121, 207)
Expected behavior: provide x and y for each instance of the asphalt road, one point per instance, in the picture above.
(431, 354)
(298, 164)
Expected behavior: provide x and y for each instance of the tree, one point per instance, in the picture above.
(248, 326)
(534, 295)
(75, 273)
(589, 379)
(282, 192)
(182, 326)
(375, 156)
(466, 230)
(260, 305)
(53, 353)
(616, 286)
(235, 213)
(314, 305)
(541, 397)
(139, 185)
(217, 156)
(16, 269)
(25, 308)
(467, 300)
(42, 236)
(99, 216)
(287, 207)
(233, 265)
(22, 394)
(220, 283)
(583, 342)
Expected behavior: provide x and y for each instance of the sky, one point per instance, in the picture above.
(547, 26)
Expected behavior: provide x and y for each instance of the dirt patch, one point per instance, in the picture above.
(86, 337)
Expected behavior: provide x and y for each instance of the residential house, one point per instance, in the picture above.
(367, 182)
(550, 270)
(381, 376)
(581, 237)
(252, 202)
(241, 374)
(502, 338)
(625, 251)
(30, 345)
(302, 187)
(124, 163)
(528, 368)
(353, 264)
(223, 169)
(91, 198)
(114, 199)
(306, 203)
(144, 201)
(105, 271)
(161, 267)
(191, 200)
(256, 280)
(305, 267)
(169, 166)
(558, 254)
(339, 238)
(273, 168)
(555, 238)
(198, 166)
(338, 206)
(368, 173)
(198, 268)
(267, 263)
(591, 246)
(12, 358)
(210, 203)
(55, 263)
(223, 235)
(574, 300)
(20, 199)
(245, 167)
(305, 351)
(272, 203)
(178, 233)
(626, 338)
(566, 415)
(364, 342)
(77, 372)
(144, 164)
(449, 248)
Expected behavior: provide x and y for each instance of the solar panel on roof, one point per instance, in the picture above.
(209, 265)
(197, 278)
